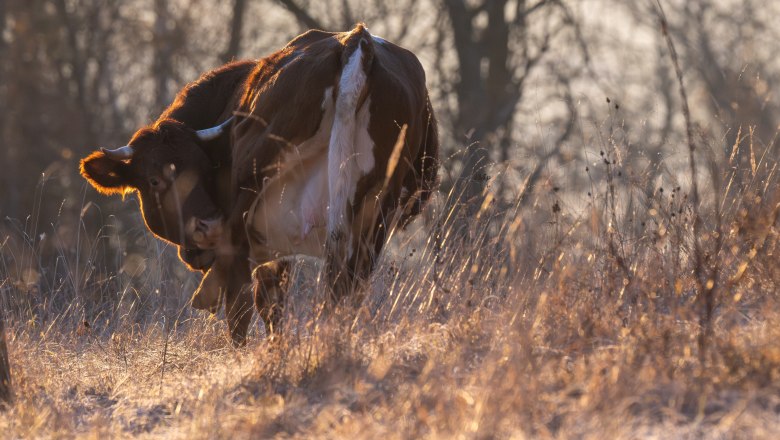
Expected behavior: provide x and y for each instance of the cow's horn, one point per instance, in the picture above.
(121, 153)
(208, 134)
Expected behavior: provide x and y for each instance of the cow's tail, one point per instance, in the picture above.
(348, 159)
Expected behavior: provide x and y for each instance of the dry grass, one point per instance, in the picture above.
(543, 321)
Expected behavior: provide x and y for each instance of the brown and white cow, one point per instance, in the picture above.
(333, 140)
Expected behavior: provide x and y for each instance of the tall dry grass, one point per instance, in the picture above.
(556, 314)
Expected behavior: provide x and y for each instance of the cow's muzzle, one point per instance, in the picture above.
(205, 234)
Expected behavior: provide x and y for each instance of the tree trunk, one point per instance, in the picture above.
(5, 366)
(486, 97)
(303, 17)
(236, 27)
(163, 54)
(78, 64)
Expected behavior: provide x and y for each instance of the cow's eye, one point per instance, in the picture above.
(155, 182)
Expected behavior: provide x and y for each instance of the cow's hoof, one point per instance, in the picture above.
(207, 296)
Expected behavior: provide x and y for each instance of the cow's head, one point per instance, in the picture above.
(173, 176)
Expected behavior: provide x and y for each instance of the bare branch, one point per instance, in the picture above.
(236, 27)
(530, 10)
(301, 15)
(347, 18)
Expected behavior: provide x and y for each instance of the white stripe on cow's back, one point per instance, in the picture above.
(327, 97)
(351, 150)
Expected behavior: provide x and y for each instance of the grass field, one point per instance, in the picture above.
(618, 278)
(623, 315)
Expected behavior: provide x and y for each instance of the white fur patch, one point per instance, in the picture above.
(318, 178)
(350, 154)
(291, 211)
(327, 98)
(364, 145)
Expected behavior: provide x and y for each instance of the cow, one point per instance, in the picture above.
(333, 141)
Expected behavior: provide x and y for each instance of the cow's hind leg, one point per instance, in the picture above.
(367, 234)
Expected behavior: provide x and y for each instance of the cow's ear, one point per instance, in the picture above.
(108, 176)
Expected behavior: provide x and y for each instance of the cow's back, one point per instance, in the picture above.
(211, 98)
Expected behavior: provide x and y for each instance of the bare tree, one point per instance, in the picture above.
(341, 15)
(724, 57)
(78, 64)
(303, 17)
(163, 53)
(495, 53)
(236, 27)
(5, 366)
(736, 93)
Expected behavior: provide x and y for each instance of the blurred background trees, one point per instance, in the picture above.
(519, 83)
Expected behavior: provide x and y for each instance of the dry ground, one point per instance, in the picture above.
(472, 377)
